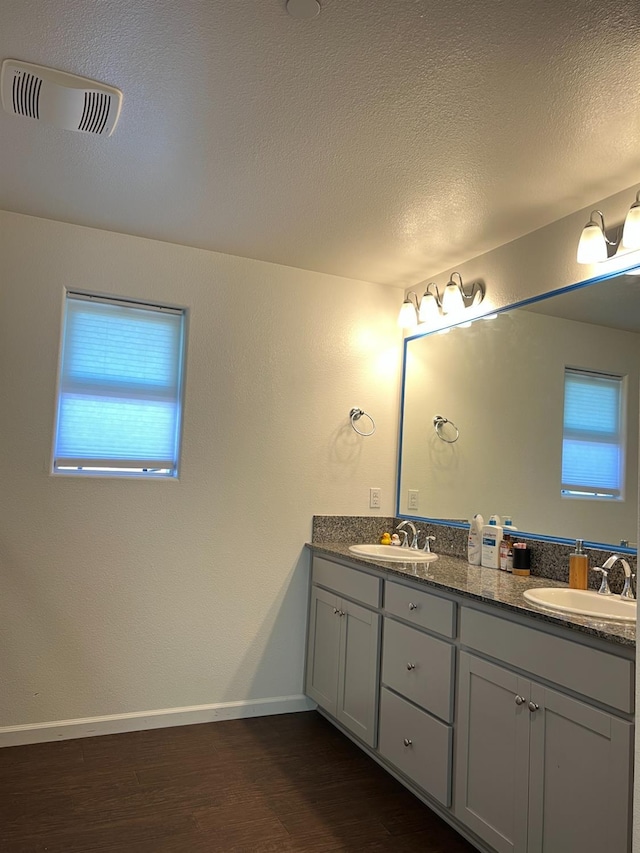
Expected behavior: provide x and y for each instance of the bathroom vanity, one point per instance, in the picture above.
(514, 724)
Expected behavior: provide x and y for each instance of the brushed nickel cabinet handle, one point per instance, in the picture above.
(411, 666)
(520, 700)
(533, 706)
(412, 606)
(407, 741)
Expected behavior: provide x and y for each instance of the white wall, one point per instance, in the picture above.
(119, 596)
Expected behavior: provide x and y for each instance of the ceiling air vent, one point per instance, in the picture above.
(57, 98)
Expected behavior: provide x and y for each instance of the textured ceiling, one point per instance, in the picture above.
(381, 141)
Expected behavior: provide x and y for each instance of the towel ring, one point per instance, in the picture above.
(355, 414)
(438, 422)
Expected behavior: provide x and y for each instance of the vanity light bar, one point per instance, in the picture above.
(454, 297)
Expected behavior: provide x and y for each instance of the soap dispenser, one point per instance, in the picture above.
(578, 567)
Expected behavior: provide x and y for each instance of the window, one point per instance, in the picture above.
(119, 394)
(593, 446)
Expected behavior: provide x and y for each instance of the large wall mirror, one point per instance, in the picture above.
(544, 399)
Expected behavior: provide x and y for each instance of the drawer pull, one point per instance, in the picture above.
(412, 606)
(520, 700)
(407, 741)
(411, 666)
(533, 707)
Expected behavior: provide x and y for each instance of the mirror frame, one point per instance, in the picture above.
(521, 304)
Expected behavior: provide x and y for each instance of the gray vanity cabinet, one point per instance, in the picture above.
(518, 732)
(343, 653)
(539, 771)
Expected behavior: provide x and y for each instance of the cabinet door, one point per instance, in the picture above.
(580, 777)
(358, 674)
(323, 650)
(492, 754)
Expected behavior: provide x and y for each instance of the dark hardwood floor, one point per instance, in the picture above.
(265, 785)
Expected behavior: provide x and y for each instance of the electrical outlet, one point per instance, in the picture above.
(374, 498)
(413, 499)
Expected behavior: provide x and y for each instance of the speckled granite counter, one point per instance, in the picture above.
(489, 585)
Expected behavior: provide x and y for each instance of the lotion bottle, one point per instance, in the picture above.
(578, 567)
(491, 539)
(474, 542)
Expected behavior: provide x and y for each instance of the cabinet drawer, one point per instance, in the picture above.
(417, 744)
(601, 676)
(349, 582)
(419, 667)
(421, 608)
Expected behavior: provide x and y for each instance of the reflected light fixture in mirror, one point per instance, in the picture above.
(455, 298)
(594, 243)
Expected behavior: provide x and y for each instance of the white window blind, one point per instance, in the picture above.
(119, 400)
(593, 437)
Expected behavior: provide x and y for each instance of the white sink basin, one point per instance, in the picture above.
(393, 553)
(584, 602)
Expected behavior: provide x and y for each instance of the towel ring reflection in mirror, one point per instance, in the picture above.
(355, 414)
(438, 422)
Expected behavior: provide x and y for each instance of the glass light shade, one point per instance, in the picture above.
(428, 308)
(452, 299)
(592, 247)
(631, 230)
(407, 318)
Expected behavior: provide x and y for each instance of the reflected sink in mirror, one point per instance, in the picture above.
(583, 602)
(393, 553)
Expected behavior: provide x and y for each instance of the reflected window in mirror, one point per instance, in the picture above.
(593, 441)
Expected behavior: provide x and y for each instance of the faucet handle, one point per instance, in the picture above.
(427, 543)
(604, 586)
(627, 590)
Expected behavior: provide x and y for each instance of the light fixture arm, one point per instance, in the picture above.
(468, 296)
(603, 227)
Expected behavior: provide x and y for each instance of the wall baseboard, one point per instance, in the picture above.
(158, 719)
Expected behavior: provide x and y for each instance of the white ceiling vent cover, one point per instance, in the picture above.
(63, 100)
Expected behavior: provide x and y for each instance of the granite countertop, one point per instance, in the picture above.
(490, 585)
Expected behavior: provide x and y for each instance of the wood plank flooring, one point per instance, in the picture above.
(284, 784)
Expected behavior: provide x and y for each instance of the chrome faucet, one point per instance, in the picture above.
(414, 540)
(627, 590)
(427, 543)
